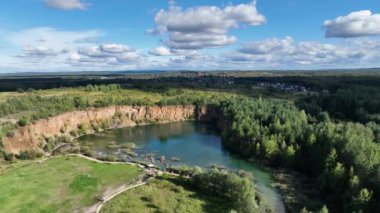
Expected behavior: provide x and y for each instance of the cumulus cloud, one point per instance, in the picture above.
(48, 49)
(160, 51)
(37, 52)
(52, 38)
(53, 49)
(205, 26)
(105, 53)
(115, 48)
(193, 60)
(355, 24)
(67, 4)
(42, 45)
(268, 45)
(288, 53)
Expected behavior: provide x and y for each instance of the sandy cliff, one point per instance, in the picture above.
(33, 135)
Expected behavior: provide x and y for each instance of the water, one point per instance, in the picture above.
(195, 144)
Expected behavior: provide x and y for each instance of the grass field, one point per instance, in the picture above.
(61, 184)
(164, 195)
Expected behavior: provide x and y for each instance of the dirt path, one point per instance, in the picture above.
(90, 159)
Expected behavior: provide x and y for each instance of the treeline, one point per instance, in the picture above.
(238, 191)
(235, 188)
(45, 106)
(342, 156)
(356, 103)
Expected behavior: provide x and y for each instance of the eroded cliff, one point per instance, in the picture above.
(34, 135)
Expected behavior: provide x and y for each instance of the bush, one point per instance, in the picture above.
(109, 158)
(9, 157)
(10, 134)
(84, 149)
(105, 125)
(64, 139)
(95, 127)
(89, 153)
(29, 155)
(82, 129)
(73, 133)
(129, 146)
(23, 121)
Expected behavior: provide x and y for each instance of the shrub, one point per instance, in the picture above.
(105, 125)
(84, 149)
(113, 146)
(29, 155)
(109, 158)
(64, 139)
(20, 90)
(82, 129)
(95, 127)
(89, 153)
(9, 157)
(10, 134)
(129, 146)
(48, 147)
(23, 121)
(73, 133)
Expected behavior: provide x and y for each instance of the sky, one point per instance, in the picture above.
(108, 35)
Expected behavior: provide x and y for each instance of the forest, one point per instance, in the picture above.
(343, 156)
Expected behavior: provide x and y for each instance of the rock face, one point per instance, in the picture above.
(33, 135)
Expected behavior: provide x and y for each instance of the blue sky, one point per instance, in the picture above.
(76, 35)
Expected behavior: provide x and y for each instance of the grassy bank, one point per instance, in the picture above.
(164, 195)
(61, 184)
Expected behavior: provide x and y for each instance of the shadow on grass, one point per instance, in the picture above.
(211, 203)
(150, 205)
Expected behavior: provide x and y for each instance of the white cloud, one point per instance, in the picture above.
(355, 24)
(245, 13)
(67, 4)
(37, 52)
(193, 60)
(115, 48)
(205, 26)
(286, 52)
(48, 49)
(268, 45)
(52, 38)
(105, 54)
(160, 51)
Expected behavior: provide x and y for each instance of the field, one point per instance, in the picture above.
(164, 195)
(60, 184)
